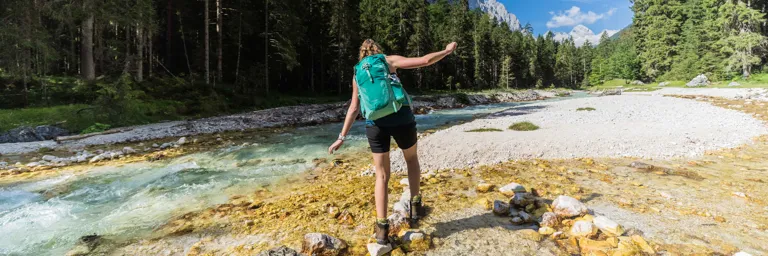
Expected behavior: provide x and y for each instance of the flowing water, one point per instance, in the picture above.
(47, 217)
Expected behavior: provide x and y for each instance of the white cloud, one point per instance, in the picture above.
(575, 16)
(582, 34)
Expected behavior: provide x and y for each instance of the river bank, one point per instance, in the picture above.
(703, 205)
(149, 141)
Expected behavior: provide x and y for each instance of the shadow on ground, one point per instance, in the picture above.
(517, 111)
(486, 220)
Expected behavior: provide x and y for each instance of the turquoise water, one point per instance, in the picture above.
(47, 217)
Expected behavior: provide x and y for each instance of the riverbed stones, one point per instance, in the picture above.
(593, 246)
(512, 188)
(129, 150)
(608, 226)
(520, 200)
(279, 251)
(640, 242)
(546, 231)
(567, 207)
(322, 245)
(375, 249)
(415, 240)
(49, 158)
(500, 208)
(582, 228)
(484, 187)
(549, 219)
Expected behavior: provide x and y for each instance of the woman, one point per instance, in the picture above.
(401, 126)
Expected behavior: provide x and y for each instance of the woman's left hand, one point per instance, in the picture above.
(336, 145)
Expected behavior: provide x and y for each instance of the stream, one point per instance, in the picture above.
(47, 217)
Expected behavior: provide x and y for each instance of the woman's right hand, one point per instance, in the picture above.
(336, 145)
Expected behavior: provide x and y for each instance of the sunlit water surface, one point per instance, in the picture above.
(47, 217)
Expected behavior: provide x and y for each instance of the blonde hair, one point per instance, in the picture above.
(369, 48)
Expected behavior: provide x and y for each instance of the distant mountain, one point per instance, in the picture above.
(497, 10)
(582, 34)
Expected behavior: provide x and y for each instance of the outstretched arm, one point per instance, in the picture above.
(400, 62)
(354, 109)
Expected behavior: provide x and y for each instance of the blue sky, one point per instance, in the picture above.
(560, 16)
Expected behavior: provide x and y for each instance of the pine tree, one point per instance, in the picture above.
(743, 43)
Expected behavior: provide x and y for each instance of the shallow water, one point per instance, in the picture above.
(47, 217)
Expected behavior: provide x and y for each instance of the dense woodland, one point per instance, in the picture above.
(193, 57)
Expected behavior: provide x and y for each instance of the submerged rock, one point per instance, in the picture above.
(322, 244)
(566, 207)
(85, 245)
(279, 251)
(641, 166)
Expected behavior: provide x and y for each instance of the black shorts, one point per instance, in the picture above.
(380, 137)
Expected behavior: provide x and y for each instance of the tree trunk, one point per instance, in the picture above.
(220, 30)
(266, 45)
(207, 46)
(169, 34)
(239, 43)
(151, 55)
(184, 43)
(140, 59)
(87, 68)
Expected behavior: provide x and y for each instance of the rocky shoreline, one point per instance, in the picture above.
(293, 116)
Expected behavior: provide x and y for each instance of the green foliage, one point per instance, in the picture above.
(97, 127)
(484, 130)
(66, 114)
(586, 109)
(523, 126)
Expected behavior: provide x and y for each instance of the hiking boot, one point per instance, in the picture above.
(382, 233)
(417, 211)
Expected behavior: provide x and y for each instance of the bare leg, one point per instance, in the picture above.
(414, 169)
(381, 163)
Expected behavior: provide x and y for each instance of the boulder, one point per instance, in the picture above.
(663, 84)
(500, 208)
(549, 219)
(49, 132)
(733, 84)
(608, 226)
(50, 158)
(637, 82)
(512, 188)
(582, 228)
(567, 207)
(279, 251)
(698, 81)
(375, 249)
(322, 244)
(181, 141)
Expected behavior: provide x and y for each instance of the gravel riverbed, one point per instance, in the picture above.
(620, 126)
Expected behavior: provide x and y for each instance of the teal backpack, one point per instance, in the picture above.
(380, 94)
